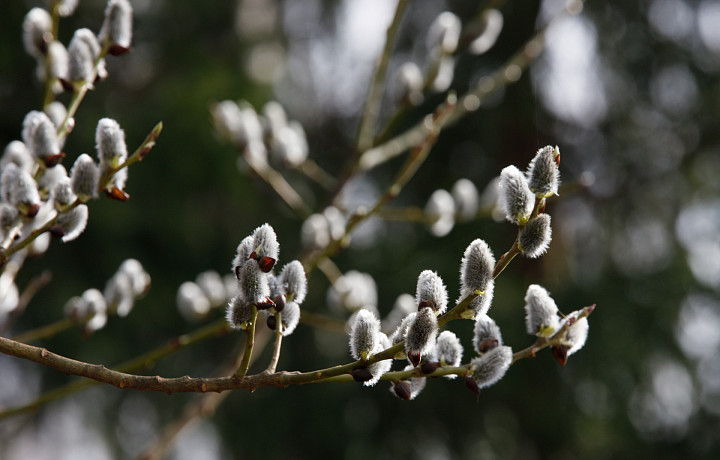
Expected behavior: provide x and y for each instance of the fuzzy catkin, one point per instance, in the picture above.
(534, 238)
(491, 366)
(516, 198)
(364, 334)
(294, 280)
(420, 335)
(485, 328)
(543, 174)
(430, 287)
(541, 312)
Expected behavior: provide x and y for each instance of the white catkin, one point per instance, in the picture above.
(534, 238)
(192, 302)
(364, 334)
(476, 268)
(577, 333)
(253, 283)
(492, 366)
(543, 174)
(85, 176)
(431, 287)
(295, 282)
(441, 207)
(290, 317)
(485, 328)
(448, 351)
(421, 333)
(265, 242)
(467, 199)
(516, 198)
(379, 368)
(212, 285)
(541, 312)
(110, 142)
(73, 222)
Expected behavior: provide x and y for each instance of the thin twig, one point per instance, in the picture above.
(249, 344)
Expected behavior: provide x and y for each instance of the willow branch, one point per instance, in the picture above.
(277, 345)
(140, 362)
(434, 123)
(370, 114)
(278, 183)
(249, 344)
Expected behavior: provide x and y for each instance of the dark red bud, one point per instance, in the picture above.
(472, 385)
(560, 353)
(32, 210)
(266, 264)
(427, 304)
(487, 345)
(429, 368)
(542, 207)
(279, 303)
(557, 159)
(414, 358)
(361, 374)
(265, 304)
(54, 160)
(271, 322)
(237, 272)
(403, 390)
(143, 153)
(57, 231)
(117, 50)
(117, 194)
(66, 85)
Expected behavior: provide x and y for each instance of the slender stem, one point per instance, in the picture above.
(277, 345)
(46, 331)
(370, 114)
(279, 184)
(420, 152)
(317, 174)
(145, 360)
(249, 344)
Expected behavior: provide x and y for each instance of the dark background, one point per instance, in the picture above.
(628, 90)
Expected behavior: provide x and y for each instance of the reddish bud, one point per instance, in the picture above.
(429, 367)
(279, 303)
(57, 231)
(402, 390)
(117, 194)
(32, 210)
(427, 304)
(264, 305)
(117, 50)
(54, 160)
(487, 345)
(361, 374)
(271, 322)
(266, 264)
(472, 385)
(560, 352)
(414, 358)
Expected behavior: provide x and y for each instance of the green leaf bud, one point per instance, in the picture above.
(541, 312)
(534, 238)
